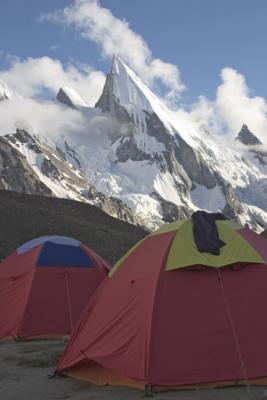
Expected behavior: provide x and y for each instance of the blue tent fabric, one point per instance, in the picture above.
(62, 255)
(42, 239)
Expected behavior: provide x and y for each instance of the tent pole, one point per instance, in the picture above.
(68, 299)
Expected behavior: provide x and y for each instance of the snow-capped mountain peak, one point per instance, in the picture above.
(128, 89)
(248, 138)
(125, 89)
(70, 97)
(181, 167)
(134, 151)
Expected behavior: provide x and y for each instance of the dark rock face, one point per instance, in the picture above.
(62, 97)
(233, 207)
(155, 128)
(114, 207)
(248, 138)
(170, 211)
(22, 136)
(107, 103)
(16, 174)
(191, 161)
(261, 156)
(71, 152)
(128, 150)
(49, 169)
(194, 165)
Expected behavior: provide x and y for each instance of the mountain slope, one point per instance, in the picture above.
(165, 168)
(29, 165)
(23, 217)
(16, 173)
(138, 161)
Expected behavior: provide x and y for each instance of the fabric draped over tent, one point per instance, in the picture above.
(169, 316)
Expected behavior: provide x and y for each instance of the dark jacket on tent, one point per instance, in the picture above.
(205, 232)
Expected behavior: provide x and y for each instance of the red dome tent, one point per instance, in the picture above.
(178, 317)
(45, 284)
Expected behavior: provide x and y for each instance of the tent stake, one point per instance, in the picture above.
(148, 390)
(52, 375)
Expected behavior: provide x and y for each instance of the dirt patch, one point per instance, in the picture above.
(25, 366)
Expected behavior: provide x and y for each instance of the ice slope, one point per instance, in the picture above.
(136, 97)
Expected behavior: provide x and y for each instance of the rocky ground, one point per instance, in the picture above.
(25, 366)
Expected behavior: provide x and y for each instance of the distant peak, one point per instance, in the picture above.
(116, 59)
(70, 97)
(125, 88)
(246, 137)
(120, 68)
(117, 64)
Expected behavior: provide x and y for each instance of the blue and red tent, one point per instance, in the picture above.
(44, 285)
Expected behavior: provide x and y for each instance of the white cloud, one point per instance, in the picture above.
(53, 121)
(98, 24)
(32, 76)
(47, 118)
(28, 79)
(233, 106)
(234, 103)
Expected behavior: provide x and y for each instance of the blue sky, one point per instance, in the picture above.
(206, 59)
(199, 36)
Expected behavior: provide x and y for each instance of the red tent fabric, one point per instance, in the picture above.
(185, 327)
(45, 284)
